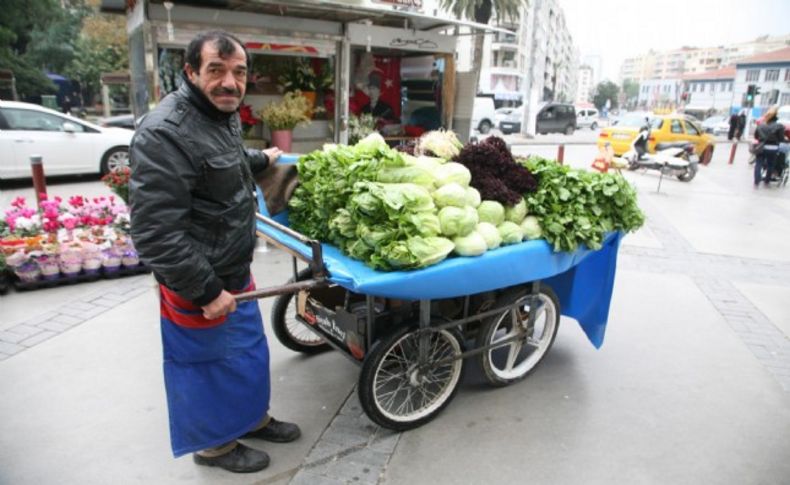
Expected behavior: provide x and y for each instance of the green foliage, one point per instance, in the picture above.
(576, 207)
(286, 114)
(603, 91)
(482, 10)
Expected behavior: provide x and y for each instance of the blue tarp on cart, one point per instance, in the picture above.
(583, 280)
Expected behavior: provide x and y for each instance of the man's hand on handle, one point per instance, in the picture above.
(220, 306)
(273, 153)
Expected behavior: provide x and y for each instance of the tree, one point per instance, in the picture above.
(631, 91)
(481, 11)
(606, 90)
(20, 22)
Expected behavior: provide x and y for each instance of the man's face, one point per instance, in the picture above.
(223, 81)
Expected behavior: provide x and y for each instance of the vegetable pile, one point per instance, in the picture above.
(574, 206)
(395, 211)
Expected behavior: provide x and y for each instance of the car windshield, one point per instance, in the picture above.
(634, 121)
(713, 120)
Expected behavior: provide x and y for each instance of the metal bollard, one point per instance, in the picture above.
(560, 153)
(39, 181)
(732, 152)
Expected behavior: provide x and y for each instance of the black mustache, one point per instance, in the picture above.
(226, 91)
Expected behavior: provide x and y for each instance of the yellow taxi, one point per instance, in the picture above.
(663, 129)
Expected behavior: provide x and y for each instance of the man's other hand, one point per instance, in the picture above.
(273, 153)
(220, 306)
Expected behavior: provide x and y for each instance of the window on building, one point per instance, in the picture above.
(729, 88)
(787, 74)
(772, 75)
(693, 87)
(712, 87)
(785, 99)
(752, 75)
(723, 87)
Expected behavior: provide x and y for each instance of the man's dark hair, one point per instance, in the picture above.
(226, 45)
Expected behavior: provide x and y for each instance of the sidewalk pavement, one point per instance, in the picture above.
(692, 384)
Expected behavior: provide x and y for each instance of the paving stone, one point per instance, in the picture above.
(349, 471)
(305, 478)
(107, 303)
(24, 329)
(96, 310)
(79, 305)
(10, 348)
(38, 338)
(385, 443)
(55, 326)
(73, 311)
(40, 318)
(324, 449)
(66, 320)
(13, 338)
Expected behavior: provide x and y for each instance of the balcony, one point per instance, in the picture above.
(504, 46)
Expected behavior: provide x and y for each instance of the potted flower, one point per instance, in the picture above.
(283, 116)
(48, 262)
(91, 258)
(248, 120)
(3, 274)
(118, 181)
(111, 260)
(300, 77)
(24, 266)
(71, 260)
(130, 258)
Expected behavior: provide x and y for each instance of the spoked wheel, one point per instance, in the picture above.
(291, 332)
(520, 346)
(399, 392)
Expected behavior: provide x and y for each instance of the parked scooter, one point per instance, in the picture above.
(675, 158)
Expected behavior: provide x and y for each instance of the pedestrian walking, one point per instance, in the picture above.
(66, 105)
(769, 135)
(193, 222)
(741, 124)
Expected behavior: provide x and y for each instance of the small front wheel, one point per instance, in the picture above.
(484, 127)
(291, 332)
(569, 130)
(689, 174)
(518, 346)
(398, 390)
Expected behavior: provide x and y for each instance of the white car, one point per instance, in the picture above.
(587, 118)
(66, 144)
(484, 115)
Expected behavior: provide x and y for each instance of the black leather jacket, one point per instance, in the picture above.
(771, 133)
(192, 205)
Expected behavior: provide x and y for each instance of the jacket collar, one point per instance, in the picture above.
(201, 102)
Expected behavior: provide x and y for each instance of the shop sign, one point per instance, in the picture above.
(410, 4)
(402, 39)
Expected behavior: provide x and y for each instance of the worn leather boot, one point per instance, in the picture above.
(276, 431)
(241, 459)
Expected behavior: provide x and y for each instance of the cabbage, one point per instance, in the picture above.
(442, 143)
(414, 252)
(473, 244)
(426, 223)
(491, 211)
(409, 174)
(452, 172)
(371, 144)
(456, 221)
(472, 197)
(450, 195)
(531, 228)
(516, 213)
(490, 234)
(511, 232)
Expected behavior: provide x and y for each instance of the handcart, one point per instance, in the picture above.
(412, 332)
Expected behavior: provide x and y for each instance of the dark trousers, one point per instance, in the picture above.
(764, 160)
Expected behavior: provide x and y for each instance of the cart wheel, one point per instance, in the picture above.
(399, 393)
(515, 360)
(291, 332)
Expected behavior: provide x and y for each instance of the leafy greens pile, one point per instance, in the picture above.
(575, 206)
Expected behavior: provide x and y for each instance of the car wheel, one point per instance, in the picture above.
(485, 127)
(114, 158)
(594, 126)
(707, 156)
(569, 130)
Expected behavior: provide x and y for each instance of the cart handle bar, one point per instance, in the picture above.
(316, 262)
(282, 289)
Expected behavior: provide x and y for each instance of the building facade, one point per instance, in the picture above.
(770, 73)
(585, 84)
(659, 93)
(710, 91)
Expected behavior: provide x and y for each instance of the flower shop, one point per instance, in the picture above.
(320, 71)
(62, 241)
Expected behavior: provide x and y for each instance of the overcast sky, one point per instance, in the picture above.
(616, 29)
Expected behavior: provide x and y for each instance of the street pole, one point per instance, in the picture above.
(39, 181)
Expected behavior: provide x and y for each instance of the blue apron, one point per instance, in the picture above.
(216, 373)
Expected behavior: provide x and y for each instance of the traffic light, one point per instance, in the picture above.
(756, 89)
(750, 92)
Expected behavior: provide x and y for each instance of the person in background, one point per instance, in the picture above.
(733, 126)
(193, 222)
(769, 135)
(66, 105)
(741, 125)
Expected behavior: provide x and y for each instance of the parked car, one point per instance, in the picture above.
(663, 129)
(484, 114)
(587, 118)
(556, 118)
(502, 113)
(68, 145)
(119, 121)
(511, 123)
(716, 125)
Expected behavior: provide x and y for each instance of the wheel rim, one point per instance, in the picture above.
(405, 391)
(117, 160)
(513, 360)
(298, 331)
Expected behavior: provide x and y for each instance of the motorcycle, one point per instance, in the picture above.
(674, 158)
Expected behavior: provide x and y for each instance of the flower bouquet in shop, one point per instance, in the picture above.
(91, 257)
(25, 265)
(49, 262)
(71, 259)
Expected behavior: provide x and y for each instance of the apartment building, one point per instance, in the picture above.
(585, 84)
